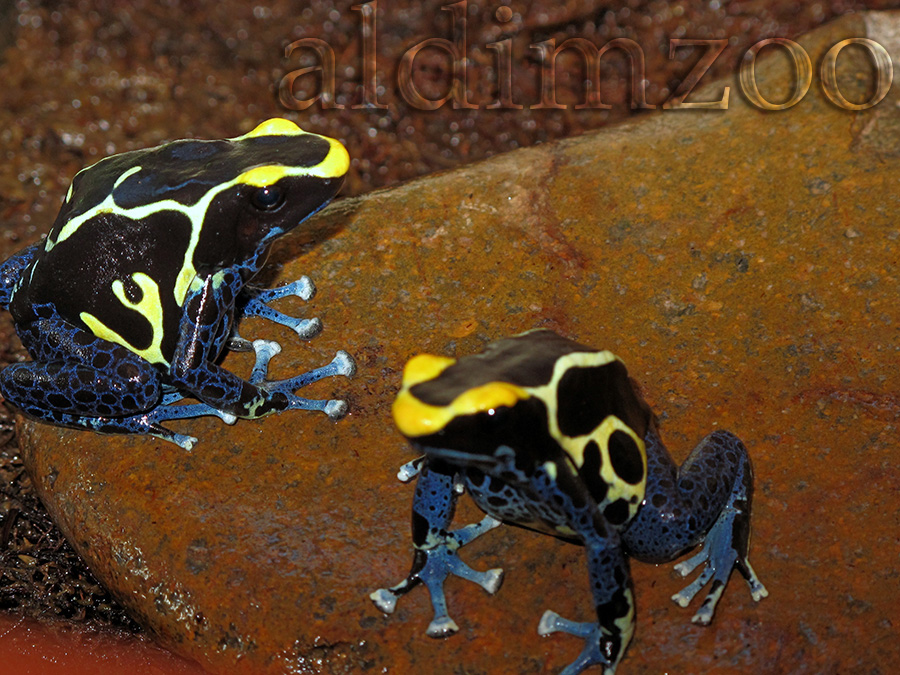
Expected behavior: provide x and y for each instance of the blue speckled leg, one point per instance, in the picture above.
(606, 639)
(342, 364)
(79, 380)
(195, 370)
(254, 301)
(11, 271)
(36, 387)
(436, 550)
(707, 500)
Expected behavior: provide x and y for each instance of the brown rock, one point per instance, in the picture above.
(710, 250)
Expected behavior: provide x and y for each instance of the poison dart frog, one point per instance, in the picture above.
(130, 302)
(554, 436)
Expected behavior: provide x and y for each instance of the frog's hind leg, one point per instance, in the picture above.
(254, 301)
(436, 550)
(81, 396)
(706, 501)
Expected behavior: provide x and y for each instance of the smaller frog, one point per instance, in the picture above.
(132, 299)
(554, 436)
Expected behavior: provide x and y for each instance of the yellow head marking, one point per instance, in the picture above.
(263, 176)
(275, 127)
(417, 418)
(424, 367)
(335, 164)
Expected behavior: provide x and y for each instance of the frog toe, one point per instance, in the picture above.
(490, 581)
(384, 599)
(344, 364)
(441, 627)
(303, 288)
(590, 632)
(336, 410)
(757, 590)
(184, 441)
(306, 329)
(265, 350)
(410, 470)
(341, 364)
(720, 554)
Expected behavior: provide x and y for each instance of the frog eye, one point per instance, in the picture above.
(267, 198)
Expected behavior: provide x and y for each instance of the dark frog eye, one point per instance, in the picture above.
(267, 198)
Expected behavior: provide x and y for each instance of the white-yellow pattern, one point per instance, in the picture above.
(148, 306)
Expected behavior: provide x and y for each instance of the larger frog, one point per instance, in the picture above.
(129, 303)
(549, 434)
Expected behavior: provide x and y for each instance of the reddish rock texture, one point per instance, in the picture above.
(742, 263)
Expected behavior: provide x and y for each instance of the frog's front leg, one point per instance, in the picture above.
(707, 500)
(254, 301)
(11, 271)
(605, 639)
(194, 370)
(436, 550)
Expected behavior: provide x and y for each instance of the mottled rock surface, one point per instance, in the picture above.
(743, 263)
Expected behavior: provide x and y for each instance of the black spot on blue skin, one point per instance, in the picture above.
(100, 360)
(127, 371)
(419, 528)
(625, 457)
(59, 401)
(617, 512)
(86, 397)
(82, 338)
(23, 377)
(214, 392)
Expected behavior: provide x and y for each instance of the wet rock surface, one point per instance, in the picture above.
(741, 262)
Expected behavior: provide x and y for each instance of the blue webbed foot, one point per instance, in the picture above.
(341, 364)
(721, 553)
(432, 566)
(589, 631)
(255, 302)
